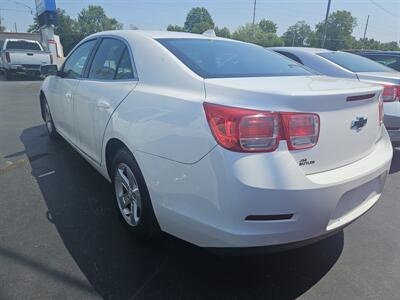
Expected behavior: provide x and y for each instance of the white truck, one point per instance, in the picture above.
(22, 57)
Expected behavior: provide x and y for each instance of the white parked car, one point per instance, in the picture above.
(22, 57)
(219, 142)
(348, 65)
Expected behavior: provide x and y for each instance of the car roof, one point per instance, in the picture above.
(153, 34)
(376, 52)
(301, 50)
(18, 40)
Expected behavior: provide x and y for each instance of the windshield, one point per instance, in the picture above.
(226, 59)
(23, 45)
(354, 63)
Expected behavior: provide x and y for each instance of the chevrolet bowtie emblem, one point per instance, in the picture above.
(358, 123)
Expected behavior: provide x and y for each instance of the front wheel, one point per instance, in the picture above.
(51, 129)
(132, 197)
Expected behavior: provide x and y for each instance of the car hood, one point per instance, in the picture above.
(381, 77)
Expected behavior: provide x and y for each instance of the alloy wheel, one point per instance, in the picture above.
(127, 194)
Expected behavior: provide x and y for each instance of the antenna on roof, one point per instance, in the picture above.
(210, 33)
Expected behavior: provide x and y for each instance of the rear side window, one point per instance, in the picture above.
(107, 59)
(225, 59)
(125, 70)
(354, 62)
(1, 45)
(75, 63)
(291, 56)
(23, 45)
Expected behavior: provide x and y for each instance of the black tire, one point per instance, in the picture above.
(48, 120)
(147, 226)
(8, 75)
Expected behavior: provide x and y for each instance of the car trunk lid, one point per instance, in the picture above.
(339, 104)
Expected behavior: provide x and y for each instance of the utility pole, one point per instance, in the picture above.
(365, 32)
(15, 26)
(326, 24)
(254, 11)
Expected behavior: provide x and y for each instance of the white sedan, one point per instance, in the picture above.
(219, 142)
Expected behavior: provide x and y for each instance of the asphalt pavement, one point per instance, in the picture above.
(61, 238)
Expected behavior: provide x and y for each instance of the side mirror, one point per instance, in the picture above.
(60, 74)
(47, 70)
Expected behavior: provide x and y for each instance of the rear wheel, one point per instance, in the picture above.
(132, 197)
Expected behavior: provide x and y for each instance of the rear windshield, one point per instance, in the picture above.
(354, 63)
(226, 59)
(22, 45)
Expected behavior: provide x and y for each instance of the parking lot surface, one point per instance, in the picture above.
(60, 235)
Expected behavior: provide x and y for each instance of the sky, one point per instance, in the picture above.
(384, 23)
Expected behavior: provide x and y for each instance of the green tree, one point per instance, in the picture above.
(372, 44)
(93, 19)
(390, 46)
(68, 31)
(35, 26)
(174, 28)
(222, 32)
(340, 27)
(268, 26)
(297, 34)
(198, 20)
(254, 34)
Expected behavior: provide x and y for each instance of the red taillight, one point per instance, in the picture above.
(8, 59)
(391, 93)
(246, 130)
(301, 130)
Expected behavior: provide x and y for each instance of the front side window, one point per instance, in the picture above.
(107, 59)
(354, 63)
(75, 64)
(225, 59)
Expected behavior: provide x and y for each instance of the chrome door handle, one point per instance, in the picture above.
(68, 95)
(103, 104)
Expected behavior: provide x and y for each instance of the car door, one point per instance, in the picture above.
(63, 88)
(109, 79)
(1, 53)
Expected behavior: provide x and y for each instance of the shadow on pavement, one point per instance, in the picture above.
(81, 206)
(395, 167)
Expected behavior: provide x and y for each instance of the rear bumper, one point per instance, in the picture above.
(21, 69)
(207, 203)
